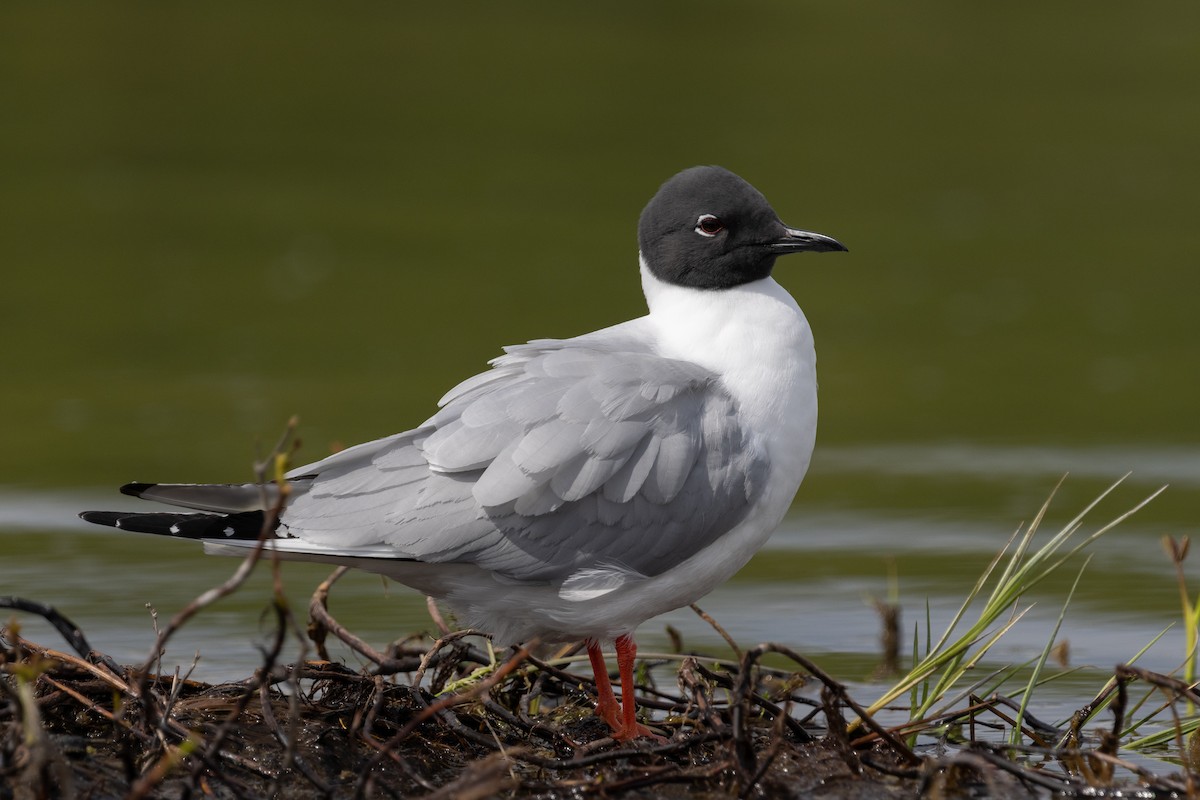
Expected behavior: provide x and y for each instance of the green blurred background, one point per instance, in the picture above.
(215, 216)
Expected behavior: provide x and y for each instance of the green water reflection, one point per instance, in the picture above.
(214, 219)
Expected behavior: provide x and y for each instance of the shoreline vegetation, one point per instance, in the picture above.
(457, 719)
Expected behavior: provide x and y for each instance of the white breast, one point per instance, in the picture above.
(756, 338)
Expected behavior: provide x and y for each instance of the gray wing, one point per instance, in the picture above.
(567, 457)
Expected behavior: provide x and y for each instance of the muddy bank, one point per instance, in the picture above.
(454, 720)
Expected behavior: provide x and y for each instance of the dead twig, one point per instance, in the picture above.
(321, 623)
(429, 711)
(66, 628)
(276, 459)
(838, 689)
(716, 626)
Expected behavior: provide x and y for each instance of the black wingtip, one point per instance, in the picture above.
(246, 525)
(135, 489)
(109, 518)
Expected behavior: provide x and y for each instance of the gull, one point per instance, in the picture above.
(579, 486)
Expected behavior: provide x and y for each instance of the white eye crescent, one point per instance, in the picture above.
(709, 226)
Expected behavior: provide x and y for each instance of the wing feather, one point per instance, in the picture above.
(503, 481)
(629, 479)
(584, 475)
(606, 439)
(459, 447)
(676, 457)
(547, 447)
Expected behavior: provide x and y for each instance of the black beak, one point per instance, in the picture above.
(794, 241)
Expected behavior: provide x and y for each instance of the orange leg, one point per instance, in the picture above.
(606, 702)
(621, 718)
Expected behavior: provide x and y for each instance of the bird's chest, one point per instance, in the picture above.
(760, 345)
(776, 395)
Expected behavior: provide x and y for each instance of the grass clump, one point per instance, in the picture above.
(1016, 569)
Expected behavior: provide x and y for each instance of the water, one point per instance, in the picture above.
(810, 588)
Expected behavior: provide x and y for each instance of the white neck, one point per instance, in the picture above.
(728, 330)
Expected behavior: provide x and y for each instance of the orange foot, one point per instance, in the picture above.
(636, 731)
(621, 717)
(611, 713)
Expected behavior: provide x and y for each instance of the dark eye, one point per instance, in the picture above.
(708, 225)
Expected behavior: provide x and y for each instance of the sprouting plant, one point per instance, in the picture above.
(1177, 550)
(952, 656)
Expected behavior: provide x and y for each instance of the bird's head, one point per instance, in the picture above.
(706, 228)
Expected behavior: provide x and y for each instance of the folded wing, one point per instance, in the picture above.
(566, 458)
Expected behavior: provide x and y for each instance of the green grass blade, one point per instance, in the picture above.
(1041, 662)
(956, 651)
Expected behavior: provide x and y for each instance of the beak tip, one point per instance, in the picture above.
(796, 241)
